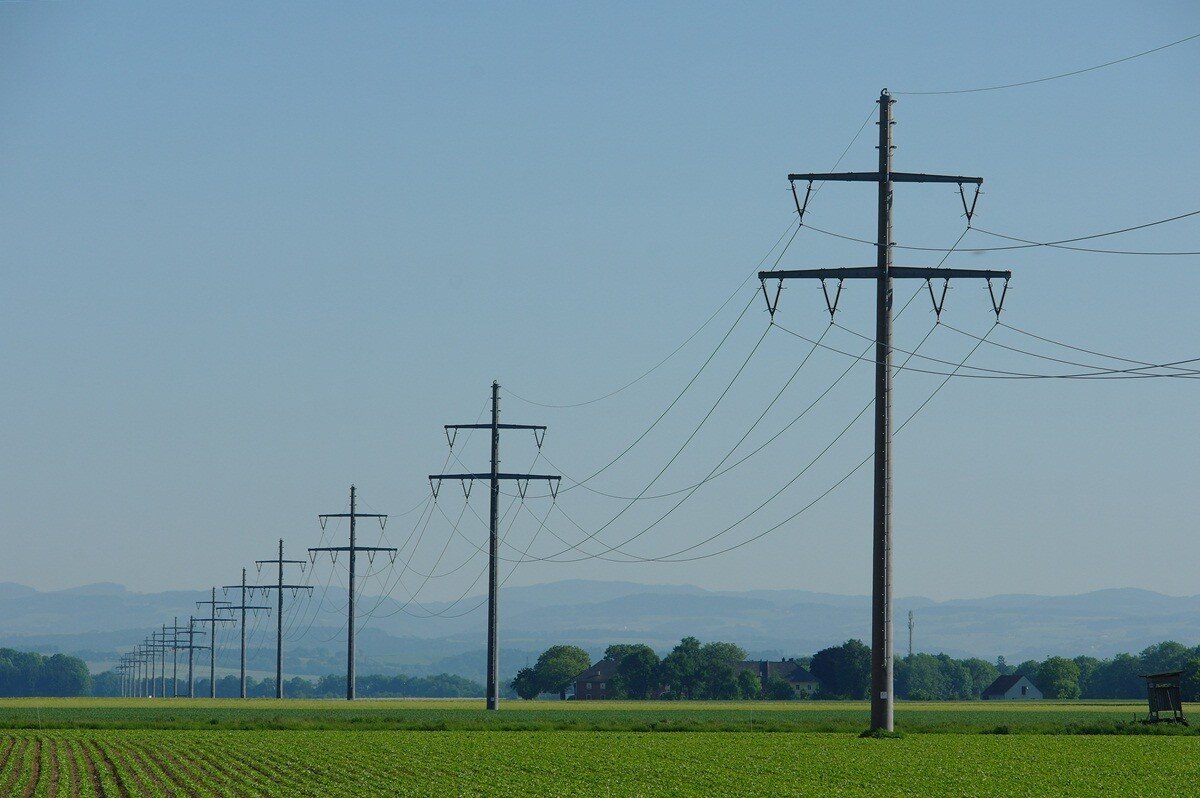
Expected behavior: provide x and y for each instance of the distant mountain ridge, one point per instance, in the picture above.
(95, 620)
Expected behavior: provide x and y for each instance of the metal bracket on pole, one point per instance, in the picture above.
(435, 486)
(969, 211)
(522, 486)
(938, 304)
(800, 209)
(539, 439)
(323, 521)
(997, 306)
(451, 436)
(831, 306)
(467, 484)
(771, 306)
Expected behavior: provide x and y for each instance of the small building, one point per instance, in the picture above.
(790, 670)
(1013, 687)
(1165, 697)
(592, 684)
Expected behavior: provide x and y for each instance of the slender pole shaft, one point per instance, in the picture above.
(493, 653)
(162, 681)
(242, 686)
(212, 648)
(350, 609)
(191, 656)
(279, 627)
(881, 593)
(175, 658)
(153, 669)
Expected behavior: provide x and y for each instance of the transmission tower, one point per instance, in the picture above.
(494, 477)
(212, 620)
(882, 697)
(278, 587)
(242, 607)
(353, 550)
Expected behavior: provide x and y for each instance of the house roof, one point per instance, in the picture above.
(1003, 684)
(602, 671)
(788, 669)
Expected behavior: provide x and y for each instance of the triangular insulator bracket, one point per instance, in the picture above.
(553, 483)
(312, 557)
(938, 302)
(831, 304)
(382, 522)
(392, 557)
(997, 304)
(522, 487)
(772, 305)
(539, 437)
(323, 521)
(451, 436)
(371, 556)
(467, 484)
(258, 567)
(800, 209)
(969, 210)
(333, 557)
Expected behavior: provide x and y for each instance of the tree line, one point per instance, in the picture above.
(695, 670)
(26, 673)
(442, 685)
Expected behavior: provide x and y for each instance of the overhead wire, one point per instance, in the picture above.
(1072, 73)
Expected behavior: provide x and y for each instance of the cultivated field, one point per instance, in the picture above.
(378, 748)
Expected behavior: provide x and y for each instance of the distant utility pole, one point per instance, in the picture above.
(243, 606)
(278, 587)
(213, 620)
(175, 629)
(353, 549)
(156, 643)
(191, 648)
(883, 273)
(139, 672)
(911, 624)
(494, 478)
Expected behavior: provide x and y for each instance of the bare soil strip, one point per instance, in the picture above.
(93, 772)
(52, 757)
(36, 766)
(112, 770)
(17, 760)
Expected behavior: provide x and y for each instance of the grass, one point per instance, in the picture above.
(337, 764)
(968, 717)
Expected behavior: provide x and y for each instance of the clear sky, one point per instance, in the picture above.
(254, 252)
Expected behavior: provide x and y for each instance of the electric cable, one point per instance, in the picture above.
(1050, 77)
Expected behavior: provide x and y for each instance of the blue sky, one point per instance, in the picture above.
(254, 252)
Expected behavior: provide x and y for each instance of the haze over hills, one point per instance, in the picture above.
(93, 621)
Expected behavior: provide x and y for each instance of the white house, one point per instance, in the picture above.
(1012, 688)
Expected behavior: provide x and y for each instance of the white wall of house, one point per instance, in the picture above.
(1023, 690)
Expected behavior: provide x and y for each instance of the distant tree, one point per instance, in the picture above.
(525, 683)
(1029, 668)
(1117, 678)
(1002, 666)
(843, 671)
(749, 685)
(1164, 657)
(106, 683)
(64, 676)
(618, 651)
(1087, 671)
(983, 673)
(1190, 685)
(718, 679)
(1058, 677)
(558, 665)
(637, 672)
(776, 688)
(681, 668)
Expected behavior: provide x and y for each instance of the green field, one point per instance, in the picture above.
(124, 749)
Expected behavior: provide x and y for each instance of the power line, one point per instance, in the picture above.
(1030, 244)
(1053, 77)
(1072, 347)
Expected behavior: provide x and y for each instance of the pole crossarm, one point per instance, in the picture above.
(548, 477)
(276, 587)
(498, 426)
(873, 177)
(872, 272)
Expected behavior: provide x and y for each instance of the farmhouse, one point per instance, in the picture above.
(1014, 687)
(592, 684)
(789, 669)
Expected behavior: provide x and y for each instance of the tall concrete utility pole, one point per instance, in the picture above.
(278, 587)
(212, 620)
(494, 477)
(242, 607)
(882, 698)
(174, 629)
(911, 624)
(353, 550)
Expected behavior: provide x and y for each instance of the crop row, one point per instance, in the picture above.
(273, 764)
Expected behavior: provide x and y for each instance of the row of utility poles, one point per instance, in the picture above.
(141, 667)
